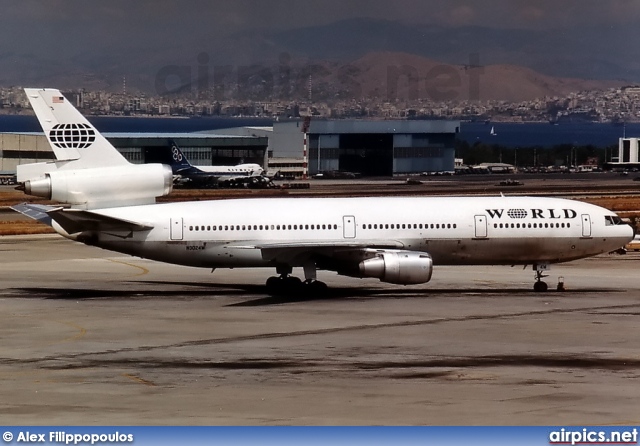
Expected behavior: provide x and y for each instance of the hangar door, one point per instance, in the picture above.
(370, 154)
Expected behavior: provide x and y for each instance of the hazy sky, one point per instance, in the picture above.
(156, 32)
(149, 17)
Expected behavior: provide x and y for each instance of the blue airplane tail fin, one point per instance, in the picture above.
(178, 160)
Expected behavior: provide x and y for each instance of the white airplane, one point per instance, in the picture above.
(249, 174)
(395, 239)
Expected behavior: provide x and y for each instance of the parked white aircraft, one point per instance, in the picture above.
(394, 239)
(248, 174)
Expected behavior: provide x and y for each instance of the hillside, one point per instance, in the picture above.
(398, 75)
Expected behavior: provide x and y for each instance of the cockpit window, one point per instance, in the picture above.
(612, 220)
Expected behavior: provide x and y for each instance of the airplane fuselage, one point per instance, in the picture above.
(248, 170)
(452, 230)
(395, 239)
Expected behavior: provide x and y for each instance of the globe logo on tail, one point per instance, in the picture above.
(72, 136)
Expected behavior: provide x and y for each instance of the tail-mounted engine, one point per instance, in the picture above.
(399, 267)
(104, 187)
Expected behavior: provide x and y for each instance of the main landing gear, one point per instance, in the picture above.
(540, 268)
(285, 284)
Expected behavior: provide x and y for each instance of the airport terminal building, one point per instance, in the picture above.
(297, 148)
(371, 148)
(200, 149)
(382, 148)
(627, 156)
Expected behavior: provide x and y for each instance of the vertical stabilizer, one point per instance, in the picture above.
(89, 173)
(179, 162)
(71, 136)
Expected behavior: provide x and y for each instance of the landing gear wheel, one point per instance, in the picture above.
(315, 287)
(540, 286)
(283, 285)
(292, 281)
(275, 285)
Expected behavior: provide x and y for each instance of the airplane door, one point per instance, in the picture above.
(349, 226)
(586, 225)
(176, 229)
(481, 226)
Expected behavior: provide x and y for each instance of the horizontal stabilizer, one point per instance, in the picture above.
(77, 220)
(37, 212)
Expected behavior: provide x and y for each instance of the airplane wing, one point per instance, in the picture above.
(296, 252)
(388, 244)
(77, 220)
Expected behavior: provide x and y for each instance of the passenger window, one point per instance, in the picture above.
(190, 228)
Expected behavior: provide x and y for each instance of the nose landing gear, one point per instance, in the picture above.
(540, 286)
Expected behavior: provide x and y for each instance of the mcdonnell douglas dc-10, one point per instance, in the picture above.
(111, 204)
